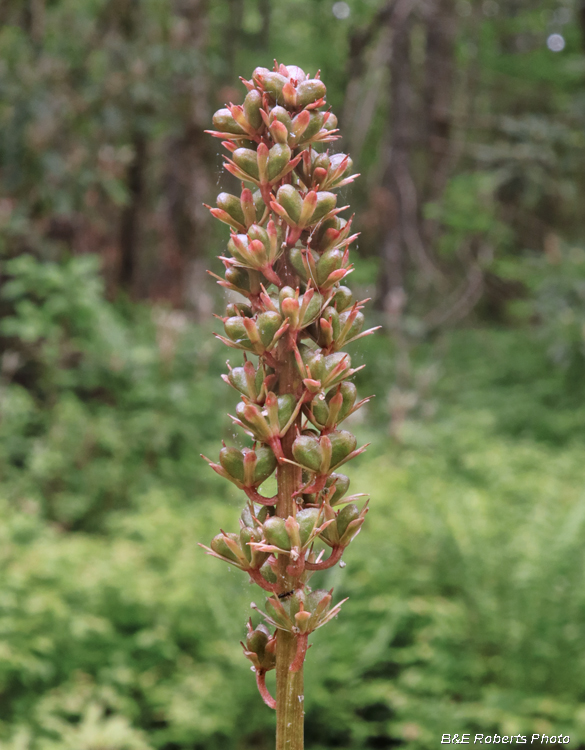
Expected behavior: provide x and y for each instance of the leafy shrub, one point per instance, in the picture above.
(101, 402)
(467, 604)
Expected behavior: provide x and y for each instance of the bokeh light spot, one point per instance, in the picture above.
(555, 43)
(341, 10)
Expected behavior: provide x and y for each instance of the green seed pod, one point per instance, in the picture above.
(321, 161)
(256, 232)
(275, 532)
(313, 308)
(320, 410)
(331, 315)
(330, 261)
(349, 395)
(232, 461)
(295, 256)
(330, 535)
(319, 237)
(343, 298)
(236, 331)
(342, 444)
(309, 91)
(252, 106)
(234, 308)
(337, 159)
(314, 126)
(256, 640)
(295, 73)
(272, 83)
(256, 423)
(286, 406)
(278, 157)
(267, 573)
(265, 464)
(341, 487)
(237, 245)
(248, 535)
(325, 202)
(307, 518)
(259, 204)
(331, 362)
(278, 612)
(219, 546)
(247, 160)
(315, 361)
(307, 452)
(287, 292)
(225, 123)
(356, 326)
(282, 115)
(331, 122)
(252, 556)
(268, 324)
(293, 604)
(345, 516)
(238, 277)
(260, 511)
(290, 199)
(232, 206)
(238, 378)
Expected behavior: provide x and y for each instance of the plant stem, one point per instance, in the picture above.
(289, 685)
(290, 712)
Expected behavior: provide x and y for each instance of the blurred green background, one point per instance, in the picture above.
(467, 598)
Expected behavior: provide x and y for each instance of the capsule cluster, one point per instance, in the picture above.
(287, 261)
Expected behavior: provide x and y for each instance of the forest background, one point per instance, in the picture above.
(466, 121)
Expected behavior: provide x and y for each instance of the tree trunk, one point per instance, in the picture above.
(131, 215)
(189, 163)
(391, 291)
(438, 101)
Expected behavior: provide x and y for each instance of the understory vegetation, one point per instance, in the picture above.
(466, 591)
(466, 607)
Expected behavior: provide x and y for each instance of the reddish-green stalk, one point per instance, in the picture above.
(288, 256)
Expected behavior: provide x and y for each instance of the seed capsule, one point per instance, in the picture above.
(223, 121)
(232, 461)
(325, 202)
(268, 324)
(219, 546)
(252, 105)
(343, 298)
(275, 532)
(290, 200)
(273, 83)
(238, 277)
(346, 516)
(307, 518)
(342, 444)
(236, 331)
(330, 261)
(247, 160)
(278, 157)
(307, 451)
(309, 91)
(232, 206)
(282, 115)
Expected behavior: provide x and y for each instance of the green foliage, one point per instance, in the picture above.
(469, 213)
(468, 611)
(466, 594)
(555, 299)
(106, 634)
(103, 402)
